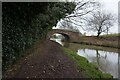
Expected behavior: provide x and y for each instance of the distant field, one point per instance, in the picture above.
(110, 40)
(110, 35)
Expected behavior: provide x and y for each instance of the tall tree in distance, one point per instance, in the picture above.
(82, 9)
(100, 22)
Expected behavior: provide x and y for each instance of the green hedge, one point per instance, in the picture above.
(24, 23)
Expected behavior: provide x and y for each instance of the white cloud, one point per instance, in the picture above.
(110, 6)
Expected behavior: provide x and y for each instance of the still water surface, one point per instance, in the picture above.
(106, 61)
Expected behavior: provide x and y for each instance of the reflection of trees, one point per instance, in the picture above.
(119, 65)
(98, 56)
(105, 54)
(102, 61)
(84, 50)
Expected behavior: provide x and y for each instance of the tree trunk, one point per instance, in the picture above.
(98, 34)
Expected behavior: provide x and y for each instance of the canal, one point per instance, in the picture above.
(106, 59)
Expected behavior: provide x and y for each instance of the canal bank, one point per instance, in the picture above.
(104, 58)
(104, 41)
(87, 69)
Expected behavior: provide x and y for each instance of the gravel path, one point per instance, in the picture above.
(48, 61)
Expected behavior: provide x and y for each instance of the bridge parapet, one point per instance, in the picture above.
(73, 36)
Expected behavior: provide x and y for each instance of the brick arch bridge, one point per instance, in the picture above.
(69, 35)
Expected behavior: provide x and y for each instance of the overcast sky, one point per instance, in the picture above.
(112, 7)
(108, 6)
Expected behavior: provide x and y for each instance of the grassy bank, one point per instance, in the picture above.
(88, 70)
(104, 40)
(110, 35)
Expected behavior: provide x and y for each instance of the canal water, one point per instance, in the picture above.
(106, 59)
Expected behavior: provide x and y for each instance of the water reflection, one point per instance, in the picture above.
(58, 41)
(61, 42)
(106, 61)
(119, 65)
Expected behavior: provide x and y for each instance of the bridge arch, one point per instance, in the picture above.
(66, 37)
(69, 35)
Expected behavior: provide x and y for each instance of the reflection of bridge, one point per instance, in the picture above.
(69, 35)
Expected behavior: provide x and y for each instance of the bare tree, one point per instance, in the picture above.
(100, 22)
(119, 16)
(78, 16)
(65, 24)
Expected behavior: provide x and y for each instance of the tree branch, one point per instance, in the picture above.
(75, 24)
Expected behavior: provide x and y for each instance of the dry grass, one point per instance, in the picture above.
(109, 41)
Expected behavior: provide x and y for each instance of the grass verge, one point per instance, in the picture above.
(88, 70)
(110, 40)
(110, 35)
